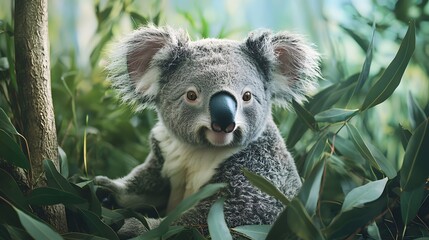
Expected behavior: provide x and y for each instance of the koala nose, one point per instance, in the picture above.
(223, 107)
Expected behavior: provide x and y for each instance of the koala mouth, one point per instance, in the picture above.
(218, 138)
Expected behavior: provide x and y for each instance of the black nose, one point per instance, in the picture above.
(222, 108)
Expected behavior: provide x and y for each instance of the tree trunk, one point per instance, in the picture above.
(35, 100)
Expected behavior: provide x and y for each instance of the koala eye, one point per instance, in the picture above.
(247, 96)
(191, 95)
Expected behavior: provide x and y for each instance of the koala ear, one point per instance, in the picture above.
(134, 63)
(291, 64)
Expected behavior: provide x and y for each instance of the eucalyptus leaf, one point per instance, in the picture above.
(415, 168)
(314, 155)
(50, 196)
(373, 231)
(391, 77)
(300, 222)
(95, 225)
(415, 112)
(80, 236)
(334, 115)
(361, 145)
(11, 151)
(64, 166)
(405, 136)
(36, 229)
(56, 180)
(309, 193)
(346, 223)
(266, 186)
(6, 124)
(359, 196)
(410, 203)
(255, 232)
(216, 221)
(183, 206)
(305, 116)
(10, 189)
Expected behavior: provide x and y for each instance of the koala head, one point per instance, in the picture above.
(212, 92)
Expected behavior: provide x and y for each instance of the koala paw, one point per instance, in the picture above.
(107, 191)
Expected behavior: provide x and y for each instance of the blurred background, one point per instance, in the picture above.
(80, 33)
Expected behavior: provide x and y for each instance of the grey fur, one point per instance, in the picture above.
(155, 67)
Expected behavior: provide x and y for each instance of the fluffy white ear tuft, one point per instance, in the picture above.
(134, 63)
(290, 63)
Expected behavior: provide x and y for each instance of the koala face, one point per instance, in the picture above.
(215, 96)
(212, 92)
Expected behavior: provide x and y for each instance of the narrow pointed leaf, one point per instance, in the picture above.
(6, 124)
(64, 166)
(410, 203)
(183, 206)
(334, 115)
(415, 112)
(405, 136)
(300, 222)
(309, 193)
(51, 196)
(255, 232)
(305, 116)
(35, 228)
(363, 76)
(10, 189)
(314, 155)
(216, 221)
(415, 168)
(265, 186)
(359, 196)
(95, 225)
(56, 180)
(361, 146)
(391, 77)
(11, 151)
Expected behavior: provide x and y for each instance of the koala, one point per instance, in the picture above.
(213, 99)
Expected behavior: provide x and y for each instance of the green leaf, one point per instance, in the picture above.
(391, 77)
(300, 222)
(56, 180)
(363, 76)
(314, 155)
(174, 231)
(410, 203)
(51, 196)
(373, 231)
(382, 161)
(280, 228)
(359, 196)
(305, 116)
(80, 236)
(95, 225)
(346, 223)
(186, 204)
(371, 153)
(10, 189)
(16, 233)
(334, 115)
(415, 168)
(309, 193)
(415, 112)
(112, 217)
(6, 124)
(11, 151)
(405, 136)
(36, 229)
(216, 221)
(64, 166)
(255, 232)
(137, 19)
(265, 186)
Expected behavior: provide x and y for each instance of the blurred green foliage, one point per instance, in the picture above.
(360, 143)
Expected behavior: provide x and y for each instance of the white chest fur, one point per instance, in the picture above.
(187, 166)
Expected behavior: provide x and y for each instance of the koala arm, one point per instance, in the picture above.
(143, 187)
